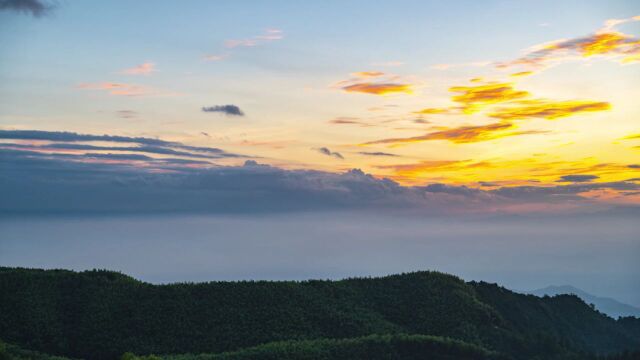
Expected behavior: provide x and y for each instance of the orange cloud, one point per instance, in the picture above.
(548, 109)
(473, 98)
(142, 69)
(463, 134)
(378, 88)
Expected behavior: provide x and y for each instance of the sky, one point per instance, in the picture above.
(416, 109)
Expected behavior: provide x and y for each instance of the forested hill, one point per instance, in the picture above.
(103, 314)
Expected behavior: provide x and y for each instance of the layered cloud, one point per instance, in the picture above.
(91, 148)
(119, 183)
(547, 109)
(375, 83)
(461, 135)
(378, 88)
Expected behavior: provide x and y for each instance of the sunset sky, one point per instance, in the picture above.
(203, 140)
(490, 95)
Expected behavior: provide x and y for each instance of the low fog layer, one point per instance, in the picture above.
(593, 252)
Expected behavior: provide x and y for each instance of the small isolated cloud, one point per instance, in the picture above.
(35, 8)
(578, 178)
(143, 69)
(229, 110)
(326, 151)
(377, 153)
(547, 109)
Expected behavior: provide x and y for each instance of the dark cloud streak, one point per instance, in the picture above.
(230, 110)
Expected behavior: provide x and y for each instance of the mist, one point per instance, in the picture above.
(596, 253)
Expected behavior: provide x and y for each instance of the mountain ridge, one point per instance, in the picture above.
(102, 314)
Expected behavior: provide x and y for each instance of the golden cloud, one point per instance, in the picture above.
(463, 134)
(606, 42)
(432, 111)
(521, 74)
(367, 74)
(473, 98)
(378, 88)
(547, 109)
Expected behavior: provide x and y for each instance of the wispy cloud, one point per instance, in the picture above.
(326, 151)
(127, 114)
(215, 57)
(375, 83)
(267, 36)
(378, 88)
(349, 121)
(230, 110)
(463, 134)
(123, 89)
(367, 74)
(377, 153)
(146, 68)
(74, 141)
(547, 109)
(606, 42)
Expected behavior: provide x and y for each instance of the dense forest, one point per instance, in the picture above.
(107, 315)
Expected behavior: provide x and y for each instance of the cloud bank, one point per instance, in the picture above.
(61, 172)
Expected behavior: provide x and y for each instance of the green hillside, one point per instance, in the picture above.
(103, 314)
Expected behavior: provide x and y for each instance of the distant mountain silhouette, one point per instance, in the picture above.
(609, 306)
